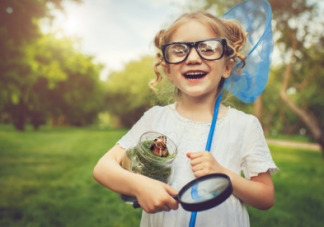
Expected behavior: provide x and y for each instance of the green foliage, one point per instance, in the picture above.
(40, 75)
(52, 79)
(128, 91)
(293, 17)
(158, 169)
(46, 183)
(78, 95)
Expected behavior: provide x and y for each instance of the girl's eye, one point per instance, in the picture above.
(212, 49)
(179, 49)
(207, 49)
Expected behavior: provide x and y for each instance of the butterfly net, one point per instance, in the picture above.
(255, 17)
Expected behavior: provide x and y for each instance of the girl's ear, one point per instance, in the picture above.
(166, 69)
(228, 68)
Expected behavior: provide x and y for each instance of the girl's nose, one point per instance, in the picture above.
(193, 57)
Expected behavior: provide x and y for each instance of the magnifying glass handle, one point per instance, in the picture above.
(137, 205)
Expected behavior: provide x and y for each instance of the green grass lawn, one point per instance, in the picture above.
(299, 184)
(295, 138)
(46, 180)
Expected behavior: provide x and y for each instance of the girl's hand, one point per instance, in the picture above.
(154, 196)
(203, 163)
(257, 192)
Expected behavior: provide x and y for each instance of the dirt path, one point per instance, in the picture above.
(285, 143)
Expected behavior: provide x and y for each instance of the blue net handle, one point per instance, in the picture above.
(255, 17)
(194, 191)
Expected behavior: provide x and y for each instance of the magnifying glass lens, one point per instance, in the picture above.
(204, 190)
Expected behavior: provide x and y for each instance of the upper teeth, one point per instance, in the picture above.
(194, 73)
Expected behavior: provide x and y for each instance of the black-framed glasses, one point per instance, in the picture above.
(208, 49)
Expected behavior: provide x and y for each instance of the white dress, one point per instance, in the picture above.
(238, 145)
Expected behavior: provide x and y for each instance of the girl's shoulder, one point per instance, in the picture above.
(160, 109)
(242, 118)
(156, 112)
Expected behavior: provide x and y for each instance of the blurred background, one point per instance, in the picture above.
(74, 77)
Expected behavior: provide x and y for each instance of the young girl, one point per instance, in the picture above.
(198, 53)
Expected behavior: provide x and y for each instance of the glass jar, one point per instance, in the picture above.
(140, 159)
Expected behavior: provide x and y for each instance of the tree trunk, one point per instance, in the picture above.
(266, 127)
(288, 128)
(257, 111)
(19, 115)
(307, 118)
(321, 142)
(53, 122)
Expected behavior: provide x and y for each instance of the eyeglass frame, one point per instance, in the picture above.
(194, 44)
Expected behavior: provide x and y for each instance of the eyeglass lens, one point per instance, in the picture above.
(210, 50)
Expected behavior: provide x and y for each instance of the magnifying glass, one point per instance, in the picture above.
(203, 193)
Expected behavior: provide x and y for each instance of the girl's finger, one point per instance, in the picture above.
(158, 209)
(170, 190)
(195, 161)
(197, 168)
(168, 204)
(173, 204)
(165, 208)
(194, 155)
(199, 173)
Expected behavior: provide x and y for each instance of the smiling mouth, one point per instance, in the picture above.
(194, 75)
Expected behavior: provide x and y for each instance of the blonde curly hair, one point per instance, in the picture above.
(230, 30)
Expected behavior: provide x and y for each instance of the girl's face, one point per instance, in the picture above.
(212, 71)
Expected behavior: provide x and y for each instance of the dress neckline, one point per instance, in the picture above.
(202, 123)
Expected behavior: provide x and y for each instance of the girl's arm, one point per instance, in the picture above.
(257, 192)
(152, 195)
